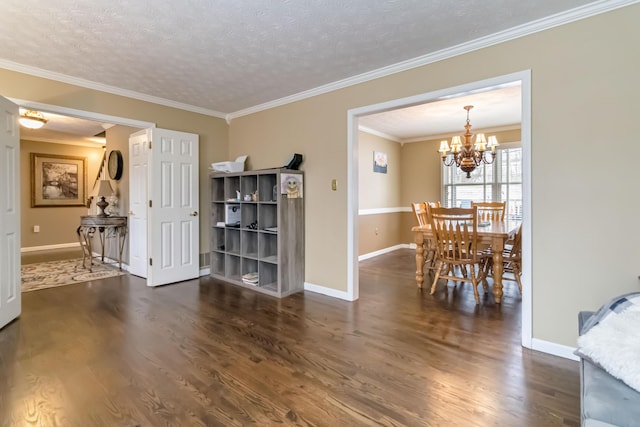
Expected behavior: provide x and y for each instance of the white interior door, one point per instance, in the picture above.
(138, 202)
(174, 221)
(10, 286)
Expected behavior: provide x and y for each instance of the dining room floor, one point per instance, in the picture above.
(202, 352)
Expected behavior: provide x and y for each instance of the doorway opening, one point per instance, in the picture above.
(353, 115)
(68, 129)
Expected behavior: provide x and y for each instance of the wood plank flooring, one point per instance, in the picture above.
(204, 353)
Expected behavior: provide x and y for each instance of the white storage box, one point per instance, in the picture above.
(232, 215)
(237, 166)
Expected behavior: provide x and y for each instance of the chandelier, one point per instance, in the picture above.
(32, 119)
(465, 155)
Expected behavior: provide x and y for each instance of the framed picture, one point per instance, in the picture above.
(379, 162)
(58, 180)
(292, 186)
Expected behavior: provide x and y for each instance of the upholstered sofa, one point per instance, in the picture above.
(604, 399)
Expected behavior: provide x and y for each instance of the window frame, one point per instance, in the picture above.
(496, 183)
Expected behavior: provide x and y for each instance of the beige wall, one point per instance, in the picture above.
(584, 94)
(379, 231)
(56, 223)
(379, 190)
(212, 132)
(420, 172)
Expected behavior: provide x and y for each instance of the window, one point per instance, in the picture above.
(497, 182)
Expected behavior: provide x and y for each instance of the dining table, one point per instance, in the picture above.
(496, 233)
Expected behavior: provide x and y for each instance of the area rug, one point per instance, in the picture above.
(67, 272)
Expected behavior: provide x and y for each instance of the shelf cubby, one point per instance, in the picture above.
(249, 244)
(232, 267)
(267, 216)
(217, 239)
(232, 241)
(248, 215)
(268, 190)
(217, 263)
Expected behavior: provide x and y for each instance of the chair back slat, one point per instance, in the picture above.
(490, 211)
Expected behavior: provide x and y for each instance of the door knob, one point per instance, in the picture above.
(194, 213)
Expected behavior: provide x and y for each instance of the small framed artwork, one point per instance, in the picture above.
(379, 162)
(58, 180)
(292, 186)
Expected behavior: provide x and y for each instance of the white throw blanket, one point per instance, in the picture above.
(614, 344)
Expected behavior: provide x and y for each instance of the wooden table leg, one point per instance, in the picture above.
(497, 246)
(85, 234)
(122, 234)
(419, 239)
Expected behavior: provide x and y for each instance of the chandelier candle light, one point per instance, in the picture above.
(468, 156)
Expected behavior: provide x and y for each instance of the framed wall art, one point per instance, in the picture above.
(379, 162)
(58, 180)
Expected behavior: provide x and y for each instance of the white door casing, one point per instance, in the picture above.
(10, 281)
(174, 221)
(138, 200)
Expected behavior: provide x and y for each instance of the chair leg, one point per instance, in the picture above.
(516, 274)
(437, 276)
(474, 283)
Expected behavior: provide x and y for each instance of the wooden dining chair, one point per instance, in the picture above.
(455, 232)
(511, 262)
(420, 211)
(422, 216)
(490, 211)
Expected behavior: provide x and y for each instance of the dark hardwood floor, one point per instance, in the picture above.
(204, 353)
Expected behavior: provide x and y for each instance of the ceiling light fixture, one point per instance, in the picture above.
(32, 119)
(465, 155)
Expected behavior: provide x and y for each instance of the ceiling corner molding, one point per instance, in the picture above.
(514, 126)
(88, 84)
(532, 27)
(76, 143)
(82, 114)
(377, 133)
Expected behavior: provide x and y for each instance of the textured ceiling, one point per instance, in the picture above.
(493, 109)
(225, 56)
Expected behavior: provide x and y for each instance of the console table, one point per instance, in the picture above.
(107, 226)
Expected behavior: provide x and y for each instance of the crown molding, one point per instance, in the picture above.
(377, 133)
(63, 78)
(514, 126)
(73, 142)
(106, 120)
(532, 27)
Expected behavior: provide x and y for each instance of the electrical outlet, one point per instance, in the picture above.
(377, 231)
(36, 228)
(334, 184)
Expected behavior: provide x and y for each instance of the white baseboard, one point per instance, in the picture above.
(205, 271)
(384, 251)
(554, 349)
(49, 247)
(327, 291)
